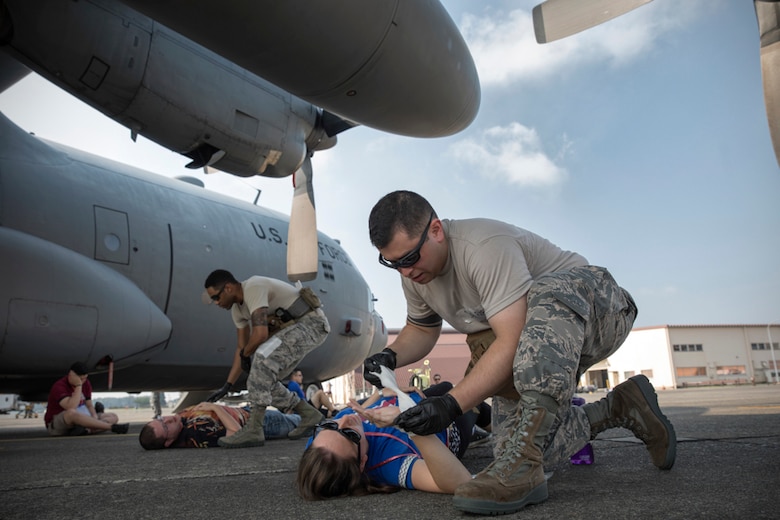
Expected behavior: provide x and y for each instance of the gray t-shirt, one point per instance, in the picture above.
(491, 265)
(260, 291)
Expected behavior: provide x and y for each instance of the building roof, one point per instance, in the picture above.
(712, 325)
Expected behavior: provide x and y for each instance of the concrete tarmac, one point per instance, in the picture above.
(728, 457)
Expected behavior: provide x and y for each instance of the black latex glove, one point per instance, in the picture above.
(431, 416)
(219, 394)
(246, 363)
(385, 358)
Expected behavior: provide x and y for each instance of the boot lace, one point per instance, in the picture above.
(513, 445)
(630, 423)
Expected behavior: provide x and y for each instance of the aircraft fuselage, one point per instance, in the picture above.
(103, 261)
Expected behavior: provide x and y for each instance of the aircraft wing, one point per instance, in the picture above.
(399, 66)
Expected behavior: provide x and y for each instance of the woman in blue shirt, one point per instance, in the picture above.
(350, 456)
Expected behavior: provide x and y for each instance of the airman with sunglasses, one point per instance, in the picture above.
(536, 318)
(252, 304)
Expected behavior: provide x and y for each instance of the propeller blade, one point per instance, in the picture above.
(556, 19)
(302, 247)
(768, 15)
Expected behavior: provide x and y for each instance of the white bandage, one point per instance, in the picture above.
(268, 347)
(387, 377)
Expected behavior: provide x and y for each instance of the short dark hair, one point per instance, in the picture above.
(149, 439)
(398, 211)
(79, 368)
(219, 277)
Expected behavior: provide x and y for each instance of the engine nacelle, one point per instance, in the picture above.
(400, 66)
(165, 87)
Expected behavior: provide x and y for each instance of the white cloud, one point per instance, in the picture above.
(505, 49)
(511, 153)
(662, 290)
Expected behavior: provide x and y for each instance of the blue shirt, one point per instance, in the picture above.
(391, 452)
(295, 388)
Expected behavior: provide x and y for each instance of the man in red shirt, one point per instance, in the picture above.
(70, 410)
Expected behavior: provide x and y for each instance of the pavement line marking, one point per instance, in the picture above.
(67, 484)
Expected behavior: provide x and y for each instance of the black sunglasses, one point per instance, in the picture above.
(215, 297)
(351, 434)
(410, 258)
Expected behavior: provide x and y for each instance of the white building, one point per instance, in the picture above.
(676, 356)
(671, 356)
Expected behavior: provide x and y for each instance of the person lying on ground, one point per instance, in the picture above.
(202, 425)
(361, 452)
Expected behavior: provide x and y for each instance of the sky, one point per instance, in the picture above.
(642, 144)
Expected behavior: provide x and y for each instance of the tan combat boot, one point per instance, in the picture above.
(633, 404)
(250, 435)
(310, 417)
(516, 479)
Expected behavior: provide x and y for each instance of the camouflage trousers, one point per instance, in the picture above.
(263, 383)
(574, 320)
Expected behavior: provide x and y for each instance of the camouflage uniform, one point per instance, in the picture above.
(575, 319)
(308, 332)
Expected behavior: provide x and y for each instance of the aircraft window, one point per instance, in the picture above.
(327, 271)
(112, 242)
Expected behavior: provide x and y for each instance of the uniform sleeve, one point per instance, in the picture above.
(238, 320)
(417, 311)
(255, 297)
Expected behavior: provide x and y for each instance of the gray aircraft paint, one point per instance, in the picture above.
(100, 259)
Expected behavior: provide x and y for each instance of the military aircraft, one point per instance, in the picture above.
(255, 88)
(252, 88)
(105, 263)
(556, 19)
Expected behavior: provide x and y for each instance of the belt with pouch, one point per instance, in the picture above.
(296, 310)
(304, 304)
